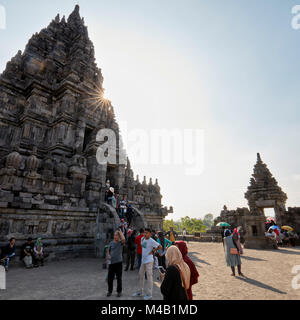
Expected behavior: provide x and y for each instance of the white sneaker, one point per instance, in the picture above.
(137, 294)
(147, 297)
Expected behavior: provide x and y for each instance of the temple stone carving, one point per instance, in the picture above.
(51, 109)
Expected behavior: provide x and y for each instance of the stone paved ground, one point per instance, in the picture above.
(268, 274)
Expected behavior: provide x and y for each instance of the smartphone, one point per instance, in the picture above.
(161, 269)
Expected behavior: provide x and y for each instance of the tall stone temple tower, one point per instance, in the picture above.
(51, 109)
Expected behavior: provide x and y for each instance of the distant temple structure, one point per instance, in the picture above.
(51, 184)
(263, 192)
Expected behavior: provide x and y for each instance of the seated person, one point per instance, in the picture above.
(27, 253)
(286, 239)
(8, 252)
(38, 253)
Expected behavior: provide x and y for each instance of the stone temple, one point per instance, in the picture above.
(51, 184)
(263, 192)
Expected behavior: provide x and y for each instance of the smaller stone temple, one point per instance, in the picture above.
(263, 192)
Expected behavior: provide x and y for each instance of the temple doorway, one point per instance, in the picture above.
(111, 174)
(269, 212)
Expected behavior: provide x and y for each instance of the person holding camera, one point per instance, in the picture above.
(115, 267)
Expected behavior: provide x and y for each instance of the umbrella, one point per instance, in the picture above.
(275, 227)
(223, 224)
(287, 228)
(270, 219)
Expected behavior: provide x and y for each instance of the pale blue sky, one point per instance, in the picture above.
(229, 67)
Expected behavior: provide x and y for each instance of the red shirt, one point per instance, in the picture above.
(137, 241)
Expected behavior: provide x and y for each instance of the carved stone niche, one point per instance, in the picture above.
(48, 167)
(42, 227)
(61, 169)
(8, 175)
(18, 226)
(31, 227)
(4, 227)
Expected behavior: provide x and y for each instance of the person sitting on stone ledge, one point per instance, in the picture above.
(273, 237)
(8, 252)
(27, 253)
(38, 253)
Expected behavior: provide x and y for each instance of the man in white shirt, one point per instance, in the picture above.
(149, 247)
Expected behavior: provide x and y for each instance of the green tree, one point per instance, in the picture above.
(192, 224)
(170, 223)
(208, 220)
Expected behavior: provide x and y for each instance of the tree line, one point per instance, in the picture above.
(190, 224)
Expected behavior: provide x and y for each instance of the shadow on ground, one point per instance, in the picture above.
(252, 259)
(195, 259)
(260, 285)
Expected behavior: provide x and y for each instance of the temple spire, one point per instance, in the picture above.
(258, 158)
(75, 16)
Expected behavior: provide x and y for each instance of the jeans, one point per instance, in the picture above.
(28, 261)
(115, 269)
(148, 268)
(139, 260)
(6, 261)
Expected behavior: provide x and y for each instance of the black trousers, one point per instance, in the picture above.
(115, 269)
(162, 261)
(130, 258)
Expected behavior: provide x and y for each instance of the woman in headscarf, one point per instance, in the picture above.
(236, 236)
(176, 279)
(232, 254)
(194, 273)
(38, 252)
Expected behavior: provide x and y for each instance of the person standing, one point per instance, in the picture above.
(165, 243)
(139, 249)
(236, 236)
(116, 259)
(232, 254)
(26, 254)
(194, 273)
(123, 227)
(172, 235)
(107, 186)
(129, 214)
(153, 235)
(131, 249)
(149, 248)
(176, 279)
(184, 233)
(8, 252)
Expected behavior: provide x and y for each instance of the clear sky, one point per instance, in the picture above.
(230, 68)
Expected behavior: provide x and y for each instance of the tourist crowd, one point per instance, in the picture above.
(154, 252)
(123, 208)
(32, 253)
(280, 236)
